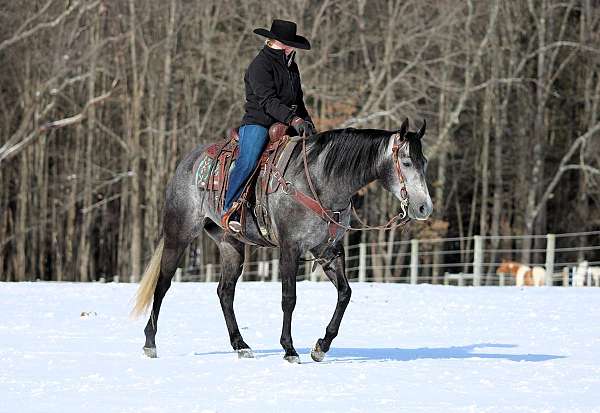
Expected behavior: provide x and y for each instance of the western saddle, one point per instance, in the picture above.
(211, 171)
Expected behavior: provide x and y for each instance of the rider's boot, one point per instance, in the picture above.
(231, 219)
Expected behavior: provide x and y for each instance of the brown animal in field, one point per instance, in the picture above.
(524, 274)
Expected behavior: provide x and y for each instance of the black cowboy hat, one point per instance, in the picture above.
(285, 32)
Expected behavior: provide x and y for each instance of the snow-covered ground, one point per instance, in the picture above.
(401, 348)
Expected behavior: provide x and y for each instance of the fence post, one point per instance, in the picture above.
(414, 260)
(550, 245)
(501, 281)
(362, 262)
(274, 269)
(209, 273)
(178, 275)
(477, 260)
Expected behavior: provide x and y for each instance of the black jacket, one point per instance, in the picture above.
(273, 90)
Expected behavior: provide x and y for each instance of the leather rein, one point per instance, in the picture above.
(334, 217)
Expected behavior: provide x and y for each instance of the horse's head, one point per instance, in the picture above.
(405, 177)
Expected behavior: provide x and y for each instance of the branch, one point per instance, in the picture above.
(470, 70)
(563, 167)
(7, 153)
(52, 23)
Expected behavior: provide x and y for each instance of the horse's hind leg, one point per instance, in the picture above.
(232, 260)
(335, 271)
(182, 225)
(171, 255)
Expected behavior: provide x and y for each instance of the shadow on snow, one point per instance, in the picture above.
(408, 354)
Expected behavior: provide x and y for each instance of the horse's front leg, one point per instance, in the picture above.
(288, 270)
(336, 272)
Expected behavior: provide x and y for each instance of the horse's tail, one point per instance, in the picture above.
(147, 286)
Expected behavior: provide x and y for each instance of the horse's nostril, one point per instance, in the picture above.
(422, 209)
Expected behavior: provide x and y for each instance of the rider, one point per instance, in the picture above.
(273, 94)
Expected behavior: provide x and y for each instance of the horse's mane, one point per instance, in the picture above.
(355, 152)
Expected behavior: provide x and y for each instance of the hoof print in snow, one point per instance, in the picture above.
(150, 352)
(245, 353)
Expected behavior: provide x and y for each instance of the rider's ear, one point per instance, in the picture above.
(421, 131)
(403, 128)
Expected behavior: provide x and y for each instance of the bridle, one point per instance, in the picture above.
(397, 146)
(335, 218)
(398, 220)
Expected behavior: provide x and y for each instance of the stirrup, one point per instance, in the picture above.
(227, 224)
(235, 226)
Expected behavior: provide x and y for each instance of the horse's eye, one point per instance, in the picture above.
(407, 164)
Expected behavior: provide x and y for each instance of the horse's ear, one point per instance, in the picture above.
(403, 128)
(421, 131)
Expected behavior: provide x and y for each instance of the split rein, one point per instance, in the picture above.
(401, 217)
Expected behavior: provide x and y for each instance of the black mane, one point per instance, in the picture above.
(354, 152)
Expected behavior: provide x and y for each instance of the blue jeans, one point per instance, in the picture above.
(253, 139)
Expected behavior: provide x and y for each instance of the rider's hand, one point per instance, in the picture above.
(300, 126)
(303, 127)
(310, 128)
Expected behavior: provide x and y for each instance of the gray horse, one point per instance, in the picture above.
(339, 163)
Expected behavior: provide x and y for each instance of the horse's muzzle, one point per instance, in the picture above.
(421, 210)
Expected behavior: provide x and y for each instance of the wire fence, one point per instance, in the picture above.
(565, 259)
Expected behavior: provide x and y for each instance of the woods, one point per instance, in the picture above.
(99, 100)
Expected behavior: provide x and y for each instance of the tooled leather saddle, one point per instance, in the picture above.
(211, 171)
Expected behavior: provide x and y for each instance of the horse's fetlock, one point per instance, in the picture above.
(286, 342)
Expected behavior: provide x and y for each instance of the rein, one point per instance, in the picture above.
(314, 203)
(401, 216)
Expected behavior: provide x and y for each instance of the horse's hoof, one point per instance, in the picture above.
(245, 353)
(317, 354)
(292, 359)
(150, 352)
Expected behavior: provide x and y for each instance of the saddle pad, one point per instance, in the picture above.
(211, 172)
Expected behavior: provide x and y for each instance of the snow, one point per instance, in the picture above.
(401, 348)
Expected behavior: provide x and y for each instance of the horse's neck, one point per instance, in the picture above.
(337, 191)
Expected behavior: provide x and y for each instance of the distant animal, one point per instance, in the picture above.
(595, 275)
(580, 274)
(524, 274)
(582, 271)
(538, 274)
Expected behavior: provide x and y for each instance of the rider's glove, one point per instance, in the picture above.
(310, 128)
(302, 127)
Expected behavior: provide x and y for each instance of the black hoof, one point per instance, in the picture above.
(150, 352)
